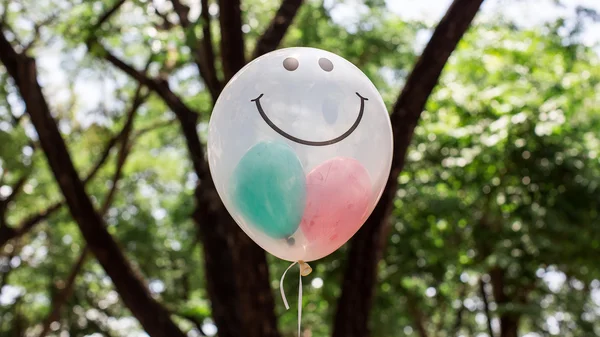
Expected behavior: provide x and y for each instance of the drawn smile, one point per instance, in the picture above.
(309, 142)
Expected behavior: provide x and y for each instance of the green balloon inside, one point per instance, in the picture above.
(270, 189)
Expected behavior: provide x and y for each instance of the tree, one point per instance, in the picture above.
(133, 176)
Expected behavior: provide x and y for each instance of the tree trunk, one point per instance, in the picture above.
(486, 307)
(366, 248)
(232, 39)
(279, 25)
(509, 321)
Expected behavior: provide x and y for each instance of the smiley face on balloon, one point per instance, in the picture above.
(300, 149)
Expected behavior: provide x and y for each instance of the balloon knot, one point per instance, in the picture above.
(305, 269)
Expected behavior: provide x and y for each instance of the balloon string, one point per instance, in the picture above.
(287, 307)
(305, 269)
(300, 303)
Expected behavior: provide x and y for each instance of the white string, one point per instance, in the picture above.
(300, 302)
(304, 270)
(287, 307)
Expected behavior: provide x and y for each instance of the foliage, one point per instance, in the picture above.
(501, 189)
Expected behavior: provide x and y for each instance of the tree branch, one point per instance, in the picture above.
(272, 37)
(182, 12)
(5, 231)
(419, 320)
(202, 50)
(107, 15)
(415, 311)
(36, 30)
(124, 151)
(99, 327)
(166, 24)
(195, 321)
(16, 188)
(5, 272)
(186, 116)
(28, 223)
(459, 312)
(486, 307)
(105, 154)
(366, 248)
(160, 124)
(442, 321)
(152, 316)
(232, 39)
(207, 47)
(100, 324)
(2, 177)
(509, 319)
(509, 322)
(5, 4)
(63, 296)
(8, 233)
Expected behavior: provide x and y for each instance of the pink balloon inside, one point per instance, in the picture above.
(337, 200)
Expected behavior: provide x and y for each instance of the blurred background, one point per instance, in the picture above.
(490, 230)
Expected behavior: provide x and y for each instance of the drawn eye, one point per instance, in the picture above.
(290, 64)
(325, 64)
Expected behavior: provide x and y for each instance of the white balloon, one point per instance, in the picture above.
(280, 122)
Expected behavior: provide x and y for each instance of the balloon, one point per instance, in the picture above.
(338, 195)
(278, 123)
(269, 188)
